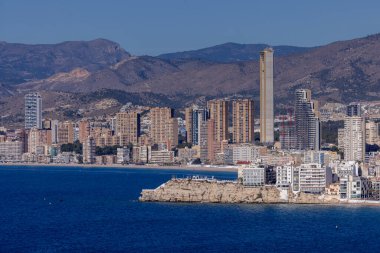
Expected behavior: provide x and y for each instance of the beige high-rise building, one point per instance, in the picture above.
(65, 132)
(218, 111)
(38, 138)
(243, 121)
(372, 132)
(164, 127)
(128, 127)
(266, 96)
(189, 124)
(84, 130)
(354, 138)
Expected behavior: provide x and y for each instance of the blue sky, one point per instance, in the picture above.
(161, 26)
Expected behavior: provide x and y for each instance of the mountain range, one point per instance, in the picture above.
(98, 76)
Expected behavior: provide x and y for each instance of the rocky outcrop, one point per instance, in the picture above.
(213, 191)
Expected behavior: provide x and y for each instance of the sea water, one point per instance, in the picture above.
(62, 209)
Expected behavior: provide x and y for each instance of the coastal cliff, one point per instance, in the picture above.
(213, 191)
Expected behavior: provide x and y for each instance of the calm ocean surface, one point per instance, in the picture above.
(96, 210)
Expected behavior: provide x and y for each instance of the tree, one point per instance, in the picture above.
(107, 150)
(75, 147)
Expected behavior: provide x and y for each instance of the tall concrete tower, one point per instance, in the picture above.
(33, 111)
(266, 96)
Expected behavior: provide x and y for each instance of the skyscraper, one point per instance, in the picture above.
(266, 96)
(128, 127)
(164, 127)
(33, 111)
(243, 121)
(372, 132)
(65, 132)
(194, 116)
(89, 150)
(354, 138)
(307, 121)
(218, 111)
(84, 130)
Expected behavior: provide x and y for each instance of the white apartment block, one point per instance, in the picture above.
(284, 176)
(122, 155)
(354, 138)
(245, 153)
(254, 175)
(313, 178)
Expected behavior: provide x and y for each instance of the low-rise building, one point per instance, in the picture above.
(254, 175)
(162, 157)
(314, 178)
(284, 176)
(11, 151)
(353, 187)
(122, 156)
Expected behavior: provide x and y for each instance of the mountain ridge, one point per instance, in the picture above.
(342, 71)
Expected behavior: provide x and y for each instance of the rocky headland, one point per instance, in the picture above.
(214, 191)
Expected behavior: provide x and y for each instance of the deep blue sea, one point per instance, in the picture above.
(59, 209)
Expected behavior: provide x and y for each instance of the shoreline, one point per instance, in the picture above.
(118, 166)
(222, 192)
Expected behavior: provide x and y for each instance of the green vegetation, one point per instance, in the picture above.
(75, 147)
(107, 150)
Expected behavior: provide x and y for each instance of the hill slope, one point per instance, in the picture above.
(21, 62)
(342, 71)
(232, 52)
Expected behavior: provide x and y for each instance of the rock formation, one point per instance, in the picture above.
(213, 191)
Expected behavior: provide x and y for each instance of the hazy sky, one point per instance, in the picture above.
(160, 26)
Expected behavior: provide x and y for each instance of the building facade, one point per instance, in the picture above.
(89, 150)
(308, 128)
(354, 138)
(33, 111)
(128, 127)
(243, 121)
(164, 127)
(266, 96)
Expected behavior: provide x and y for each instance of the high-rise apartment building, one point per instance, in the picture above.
(128, 127)
(354, 138)
(164, 127)
(372, 132)
(65, 132)
(288, 137)
(307, 121)
(243, 121)
(194, 117)
(89, 150)
(218, 111)
(33, 111)
(39, 139)
(84, 130)
(266, 96)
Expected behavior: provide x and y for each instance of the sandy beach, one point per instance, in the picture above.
(118, 166)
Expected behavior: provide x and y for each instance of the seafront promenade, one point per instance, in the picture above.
(129, 166)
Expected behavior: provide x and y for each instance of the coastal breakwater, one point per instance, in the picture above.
(214, 191)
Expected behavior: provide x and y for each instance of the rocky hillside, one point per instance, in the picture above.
(20, 63)
(342, 71)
